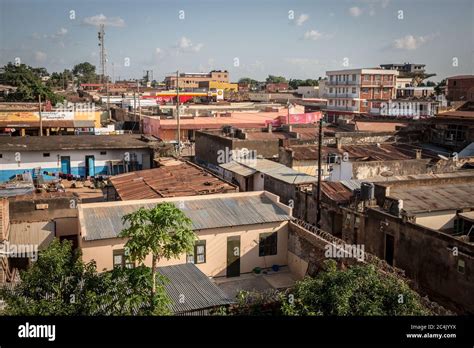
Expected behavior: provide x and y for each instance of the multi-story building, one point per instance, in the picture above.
(191, 80)
(405, 68)
(351, 91)
(460, 88)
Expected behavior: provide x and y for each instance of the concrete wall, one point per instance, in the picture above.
(427, 257)
(12, 163)
(216, 249)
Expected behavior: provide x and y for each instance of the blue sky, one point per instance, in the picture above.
(247, 37)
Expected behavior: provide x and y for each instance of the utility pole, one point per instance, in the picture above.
(288, 114)
(318, 188)
(177, 113)
(40, 116)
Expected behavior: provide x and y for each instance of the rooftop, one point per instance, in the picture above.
(181, 179)
(427, 198)
(273, 169)
(104, 220)
(72, 142)
(198, 290)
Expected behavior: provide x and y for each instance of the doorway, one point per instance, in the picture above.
(66, 164)
(233, 256)
(389, 248)
(90, 166)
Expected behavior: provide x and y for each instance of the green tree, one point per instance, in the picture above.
(439, 87)
(357, 290)
(59, 283)
(275, 79)
(85, 73)
(163, 231)
(248, 80)
(28, 83)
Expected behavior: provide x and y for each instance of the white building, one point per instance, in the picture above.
(308, 91)
(81, 155)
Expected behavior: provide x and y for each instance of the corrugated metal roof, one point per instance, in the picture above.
(336, 191)
(190, 289)
(270, 168)
(105, 220)
(35, 233)
(183, 179)
(435, 197)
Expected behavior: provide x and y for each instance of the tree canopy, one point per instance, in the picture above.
(85, 73)
(28, 82)
(275, 79)
(295, 83)
(59, 283)
(163, 231)
(357, 290)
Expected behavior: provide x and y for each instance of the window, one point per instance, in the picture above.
(268, 244)
(103, 152)
(46, 154)
(353, 103)
(330, 90)
(353, 90)
(353, 77)
(121, 260)
(366, 78)
(1, 156)
(365, 90)
(461, 266)
(199, 255)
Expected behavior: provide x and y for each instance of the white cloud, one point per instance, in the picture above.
(302, 61)
(312, 35)
(355, 11)
(102, 19)
(40, 57)
(61, 32)
(301, 19)
(410, 42)
(186, 45)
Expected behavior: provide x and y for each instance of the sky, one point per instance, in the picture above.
(249, 38)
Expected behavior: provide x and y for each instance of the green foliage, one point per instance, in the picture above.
(255, 303)
(85, 73)
(59, 283)
(60, 79)
(358, 290)
(248, 80)
(438, 88)
(28, 83)
(295, 83)
(275, 79)
(163, 231)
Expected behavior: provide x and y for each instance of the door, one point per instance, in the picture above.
(66, 164)
(233, 256)
(90, 166)
(389, 248)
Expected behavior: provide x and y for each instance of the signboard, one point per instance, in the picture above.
(59, 116)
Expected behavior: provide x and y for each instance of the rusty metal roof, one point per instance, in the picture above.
(184, 179)
(104, 220)
(72, 142)
(336, 191)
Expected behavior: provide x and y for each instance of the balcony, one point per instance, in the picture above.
(342, 108)
(343, 83)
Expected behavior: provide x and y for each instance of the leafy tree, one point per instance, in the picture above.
(438, 88)
(60, 79)
(163, 231)
(358, 290)
(248, 80)
(85, 73)
(59, 283)
(295, 83)
(28, 83)
(275, 79)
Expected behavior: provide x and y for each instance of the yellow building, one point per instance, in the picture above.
(226, 86)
